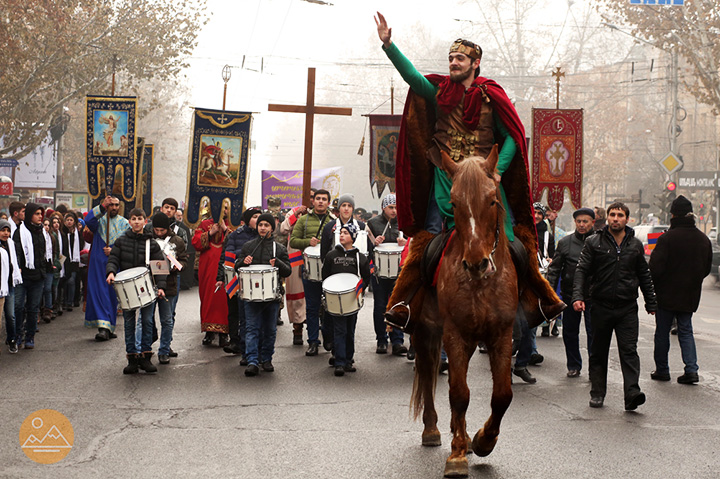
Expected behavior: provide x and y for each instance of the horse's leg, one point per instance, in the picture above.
(427, 358)
(459, 352)
(499, 353)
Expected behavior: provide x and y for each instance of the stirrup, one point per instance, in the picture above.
(401, 327)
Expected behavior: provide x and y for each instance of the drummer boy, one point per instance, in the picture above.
(261, 317)
(129, 252)
(346, 258)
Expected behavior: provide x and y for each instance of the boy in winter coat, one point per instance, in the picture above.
(14, 278)
(345, 258)
(261, 317)
(173, 246)
(129, 252)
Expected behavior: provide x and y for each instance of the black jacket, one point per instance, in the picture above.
(614, 272)
(68, 241)
(234, 243)
(680, 261)
(327, 241)
(542, 228)
(377, 226)
(42, 266)
(176, 245)
(340, 261)
(262, 252)
(565, 261)
(129, 252)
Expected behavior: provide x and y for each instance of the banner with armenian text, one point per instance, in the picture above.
(111, 146)
(557, 155)
(218, 165)
(384, 134)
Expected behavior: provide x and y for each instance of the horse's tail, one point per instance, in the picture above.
(427, 345)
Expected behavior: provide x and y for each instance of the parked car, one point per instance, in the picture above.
(642, 232)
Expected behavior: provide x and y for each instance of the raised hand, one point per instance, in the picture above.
(384, 32)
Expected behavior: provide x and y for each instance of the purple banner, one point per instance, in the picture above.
(287, 184)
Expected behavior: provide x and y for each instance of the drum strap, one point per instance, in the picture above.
(147, 252)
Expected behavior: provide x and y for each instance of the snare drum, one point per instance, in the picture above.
(313, 264)
(134, 288)
(387, 260)
(259, 283)
(229, 274)
(340, 297)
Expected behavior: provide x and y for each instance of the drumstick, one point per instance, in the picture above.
(386, 227)
(257, 245)
(217, 288)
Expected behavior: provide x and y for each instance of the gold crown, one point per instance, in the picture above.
(466, 47)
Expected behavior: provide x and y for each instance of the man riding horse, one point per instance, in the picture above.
(462, 115)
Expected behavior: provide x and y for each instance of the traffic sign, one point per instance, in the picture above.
(699, 180)
(671, 163)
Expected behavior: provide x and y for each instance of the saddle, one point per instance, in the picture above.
(432, 255)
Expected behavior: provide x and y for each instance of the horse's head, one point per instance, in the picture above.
(478, 210)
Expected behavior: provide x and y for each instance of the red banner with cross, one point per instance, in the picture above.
(557, 155)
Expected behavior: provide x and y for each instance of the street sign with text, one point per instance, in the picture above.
(698, 180)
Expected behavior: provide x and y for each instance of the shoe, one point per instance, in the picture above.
(267, 366)
(339, 371)
(280, 322)
(573, 373)
(69, 309)
(399, 350)
(545, 331)
(554, 331)
(660, 376)
(688, 378)
(444, 366)
(102, 335)
(525, 375)
(224, 340)
(208, 339)
(328, 345)
(411, 353)
(12, 347)
(635, 402)
(132, 366)
(30, 344)
(381, 348)
(297, 339)
(252, 370)
(312, 350)
(145, 364)
(232, 348)
(243, 361)
(349, 368)
(164, 358)
(596, 402)
(172, 353)
(673, 331)
(113, 335)
(536, 358)
(482, 349)
(331, 361)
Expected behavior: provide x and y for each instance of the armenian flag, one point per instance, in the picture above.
(372, 266)
(359, 288)
(230, 259)
(232, 287)
(296, 259)
(652, 240)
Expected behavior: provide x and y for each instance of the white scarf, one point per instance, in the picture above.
(4, 272)
(17, 273)
(48, 245)
(59, 236)
(27, 245)
(75, 251)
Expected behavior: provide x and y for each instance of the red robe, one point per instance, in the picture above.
(213, 305)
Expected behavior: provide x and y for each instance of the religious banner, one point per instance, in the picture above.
(287, 185)
(111, 145)
(144, 198)
(217, 168)
(384, 133)
(557, 155)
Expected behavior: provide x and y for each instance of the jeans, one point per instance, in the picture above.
(28, 296)
(9, 310)
(344, 345)
(623, 319)
(433, 218)
(382, 289)
(525, 348)
(571, 334)
(70, 284)
(174, 299)
(260, 331)
(663, 322)
(48, 290)
(313, 291)
(146, 321)
(166, 323)
(236, 321)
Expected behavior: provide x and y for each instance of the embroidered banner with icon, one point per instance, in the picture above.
(557, 155)
(218, 164)
(384, 133)
(111, 146)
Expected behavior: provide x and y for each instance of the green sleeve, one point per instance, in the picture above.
(297, 240)
(509, 148)
(412, 77)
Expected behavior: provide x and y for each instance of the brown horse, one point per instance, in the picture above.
(476, 300)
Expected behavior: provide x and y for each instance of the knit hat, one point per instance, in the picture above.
(161, 220)
(389, 199)
(537, 206)
(5, 224)
(266, 217)
(346, 198)
(584, 211)
(351, 228)
(681, 207)
(249, 213)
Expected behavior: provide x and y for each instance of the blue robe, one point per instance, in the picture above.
(101, 309)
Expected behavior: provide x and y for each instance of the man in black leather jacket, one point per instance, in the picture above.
(613, 262)
(562, 269)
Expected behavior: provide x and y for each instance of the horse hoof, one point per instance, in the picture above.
(431, 439)
(482, 446)
(457, 467)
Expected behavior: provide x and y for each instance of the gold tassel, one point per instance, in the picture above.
(361, 150)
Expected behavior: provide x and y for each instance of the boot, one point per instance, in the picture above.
(102, 335)
(47, 315)
(132, 367)
(224, 340)
(297, 334)
(145, 364)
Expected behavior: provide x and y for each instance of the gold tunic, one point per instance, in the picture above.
(459, 141)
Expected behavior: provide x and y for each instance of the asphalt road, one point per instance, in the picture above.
(201, 417)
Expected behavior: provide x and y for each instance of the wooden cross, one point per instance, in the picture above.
(557, 74)
(310, 111)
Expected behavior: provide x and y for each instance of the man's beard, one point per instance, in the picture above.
(112, 213)
(459, 77)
